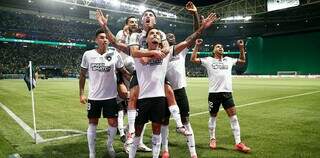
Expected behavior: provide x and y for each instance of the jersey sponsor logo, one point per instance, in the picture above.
(101, 67)
(219, 66)
(153, 62)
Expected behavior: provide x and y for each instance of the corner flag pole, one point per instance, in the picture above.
(32, 101)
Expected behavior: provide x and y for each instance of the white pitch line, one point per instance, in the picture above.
(195, 114)
(260, 102)
(27, 128)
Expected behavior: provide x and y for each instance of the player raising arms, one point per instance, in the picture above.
(220, 89)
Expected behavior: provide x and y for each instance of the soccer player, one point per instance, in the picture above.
(220, 89)
(137, 42)
(122, 36)
(174, 55)
(138, 45)
(177, 78)
(133, 88)
(101, 64)
(152, 101)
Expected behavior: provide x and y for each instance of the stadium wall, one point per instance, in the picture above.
(298, 52)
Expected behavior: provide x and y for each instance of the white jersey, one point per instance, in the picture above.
(139, 39)
(151, 77)
(219, 73)
(127, 59)
(176, 73)
(122, 37)
(102, 73)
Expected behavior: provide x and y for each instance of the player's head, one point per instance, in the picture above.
(132, 23)
(153, 38)
(101, 38)
(148, 19)
(218, 49)
(171, 38)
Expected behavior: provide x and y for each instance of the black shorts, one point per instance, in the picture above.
(123, 105)
(108, 107)
(134, 80)
(150, 109)
(182, 101)
(216, 99)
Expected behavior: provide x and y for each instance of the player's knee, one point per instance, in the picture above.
(231, 111)
(170, 95)
(93, 121)
(156, 128)
(214, 114)
(165, 121)
(113, 122)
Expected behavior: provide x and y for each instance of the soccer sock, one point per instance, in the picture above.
(156, 143)
(133, 147)
(164, 137)
(112, 131)
(142, 133)
(91, 136)
(131, 120)
(120, 123)
(212, 127)
(190, 140)
(235, 128)
(174, 110)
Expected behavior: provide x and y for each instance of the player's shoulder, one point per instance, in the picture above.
(89, 52)
(226, 58)
(113, 52)
(120, 32)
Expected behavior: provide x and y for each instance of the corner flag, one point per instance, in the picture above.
(29, 77)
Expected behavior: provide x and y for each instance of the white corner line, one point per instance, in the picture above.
(22, 124)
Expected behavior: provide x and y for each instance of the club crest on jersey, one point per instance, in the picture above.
(108, 58)
(101, 67)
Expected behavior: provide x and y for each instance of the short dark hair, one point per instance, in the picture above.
(161, 46)
(149, 10)
(150, 30)
(127, 20)
(98, 31)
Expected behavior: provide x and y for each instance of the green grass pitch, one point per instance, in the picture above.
(278, 118)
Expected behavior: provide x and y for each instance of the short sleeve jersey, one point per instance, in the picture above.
(102, 73)
(219, 73)
(176, 73)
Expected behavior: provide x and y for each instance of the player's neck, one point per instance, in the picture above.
(153, 47)
(218, 56)
(101, 50)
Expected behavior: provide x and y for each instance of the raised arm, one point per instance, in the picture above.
(82, 81)
(139, 53)
(194, 56)
(103, 21)
(206, 23)
(196, 18)
(242, 55)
